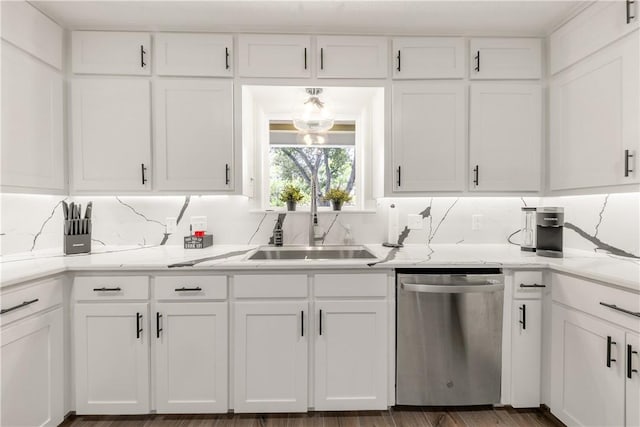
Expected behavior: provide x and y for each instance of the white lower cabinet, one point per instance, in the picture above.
(526, 342)
(190, 346)
(271, 346)
(632, 379)
(111, 358)
(32, 371)
(351, 355)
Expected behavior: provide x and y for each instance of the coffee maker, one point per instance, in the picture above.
(528, 231)
(549, 228)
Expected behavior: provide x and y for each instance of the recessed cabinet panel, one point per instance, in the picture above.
(193, 121)
(505, 137)
(110, 52)
(183, 54)
(428, 58)
(352, 57)
(32, 123)
(274, 56)
(595, 119)
(503, 58)
(32, 371)
(111, 136)
(429, 136)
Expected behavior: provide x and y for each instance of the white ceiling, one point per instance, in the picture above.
(397, 17)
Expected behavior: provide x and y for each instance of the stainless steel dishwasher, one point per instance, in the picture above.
(449, 336)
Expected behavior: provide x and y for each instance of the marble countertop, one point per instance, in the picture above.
(619, 271)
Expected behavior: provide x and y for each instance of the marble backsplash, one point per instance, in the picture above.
(609, 223)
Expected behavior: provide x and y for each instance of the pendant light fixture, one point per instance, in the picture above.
(313, 117)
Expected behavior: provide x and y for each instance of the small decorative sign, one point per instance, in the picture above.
(198, 242)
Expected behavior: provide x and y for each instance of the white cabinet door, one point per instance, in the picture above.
(351, 355)
(111, 358)
(526, 350)
(352, 57)
(190, 344)
(632, 379)
(263, 55)
(505, 137)
(429, 136)
(111, 136)
(32, 123)
(32, 371)
(182, 54)
(270, 372)
(505, 58)
(193, 139)
(584, 390)
(110, 52)
(595, 117)
(429, 58)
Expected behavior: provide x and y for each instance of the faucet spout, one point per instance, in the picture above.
(313, 212)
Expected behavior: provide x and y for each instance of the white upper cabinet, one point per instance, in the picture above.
(274, 56)
(32, 123)
(193, 141)
(26, 27)
(182, 54)
(111, 134)
(352, 57)
(503, 58)
(600, 24)
(428, 58)
(106, 52)
(595, 119)
(505, 137)
(429, 136)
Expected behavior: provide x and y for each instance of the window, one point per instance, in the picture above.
(333, 163)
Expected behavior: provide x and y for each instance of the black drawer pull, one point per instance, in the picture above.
(609, 359)
(630, 370)
(320, 321)
(305, 58)
(226, 58)
(523, 322)
(104, 289)
(143, 169)
(158, 328)
(322, 58)
(138, 325)
(629, 15)
(15, 307)
(535, 285)
(477, 58)
(302, 323)
(476, 173)
(615, 307)
(398, 61)
(627, 156)
(399, 176)
(142, 52)
(227, 178)
(183, 289)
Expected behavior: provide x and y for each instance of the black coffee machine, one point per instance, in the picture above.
(549, 226)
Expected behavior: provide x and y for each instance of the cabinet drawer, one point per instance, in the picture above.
(190, 287)
(586, 296)
(30, 299)
(98, 288)
(527, 285)
(350, 285)
(270, 285)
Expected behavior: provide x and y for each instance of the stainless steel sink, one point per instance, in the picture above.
(312, 253)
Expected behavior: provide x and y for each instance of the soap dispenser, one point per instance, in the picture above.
(348, 237)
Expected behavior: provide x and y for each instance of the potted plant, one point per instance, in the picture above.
(338, 197)
(291, 195)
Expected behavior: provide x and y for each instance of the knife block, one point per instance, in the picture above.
(77, 243)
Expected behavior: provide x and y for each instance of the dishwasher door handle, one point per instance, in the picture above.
(457, 289)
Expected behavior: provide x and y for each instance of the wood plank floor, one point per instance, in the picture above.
(395, 417)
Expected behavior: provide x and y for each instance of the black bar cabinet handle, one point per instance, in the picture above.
(630, 370)
(629, 15)
(305, 58)
(226, 58)
(322, 58)
(142, 52)
(609, 343)
(320, 321)
(105, 289)
(477, 57)
(184, 289)
(399, 176)
(227, 178)
(143, 170)
(15, 307)
(138, 326)
(398, 60)
(535, 285)
(158, 328)
(476, 172)
(302, 323)
(627, 156)
(625, 311)
(523, 322)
